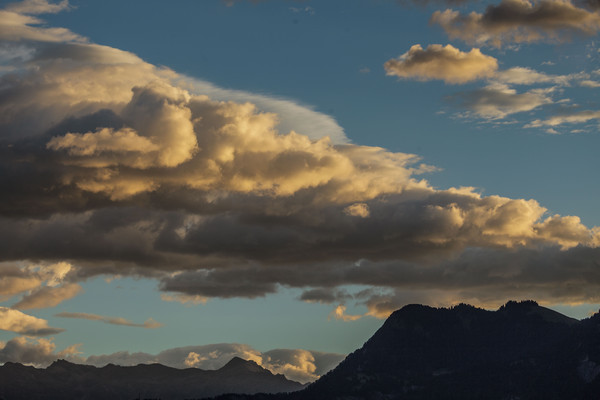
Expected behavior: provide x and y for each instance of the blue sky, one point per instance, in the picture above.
(151, 204)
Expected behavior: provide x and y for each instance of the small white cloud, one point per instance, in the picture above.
(358, 210)
(446, 63)
(340, 313)
(589, 83)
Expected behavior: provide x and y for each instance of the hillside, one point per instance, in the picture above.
(521, 351)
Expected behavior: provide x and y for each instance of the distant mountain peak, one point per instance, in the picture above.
(523, 304)
(66, 380)
(530, 308)
(61, 363)
(239, 364)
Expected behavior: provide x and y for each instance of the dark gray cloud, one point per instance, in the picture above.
(487, 277)
(37, 352)
(593, 4)
(519, 21)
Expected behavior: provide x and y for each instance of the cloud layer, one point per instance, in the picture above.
(131, 169)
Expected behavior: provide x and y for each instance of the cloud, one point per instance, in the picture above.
(133, 170)
(593, 4)
(357, 210)
(324, 295)
(291, 115)
(499, 100)
(48, 296)
(566, 118)
(300, 365)
(42, 285)
(528, 76)
(589, 83)
(491, 277)
(148, 324)
(14, 280)
(37, 7)
(442, 62)
(183, 299)
(519, 21)
(340, 313)
(15, 321)
(36, 352)
(17, 27)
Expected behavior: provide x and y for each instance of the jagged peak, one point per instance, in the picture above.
(523, 304)
(531, 307)
(61, 363)
(238, 363)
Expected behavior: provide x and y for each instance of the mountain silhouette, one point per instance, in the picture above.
(65, 380)
(521, 351)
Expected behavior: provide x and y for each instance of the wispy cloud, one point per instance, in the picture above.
(38, 7)
(528, 76)
(499, 100)
(148, 324)
(566, 118)
(48, 296)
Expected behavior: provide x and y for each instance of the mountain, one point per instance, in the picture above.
(521, 351)
(65, 380)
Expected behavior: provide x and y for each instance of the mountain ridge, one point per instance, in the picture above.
(520, 351)
(65, 380)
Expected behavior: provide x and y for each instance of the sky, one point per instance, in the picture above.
(188, 181)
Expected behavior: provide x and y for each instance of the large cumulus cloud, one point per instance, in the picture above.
(130, 169)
